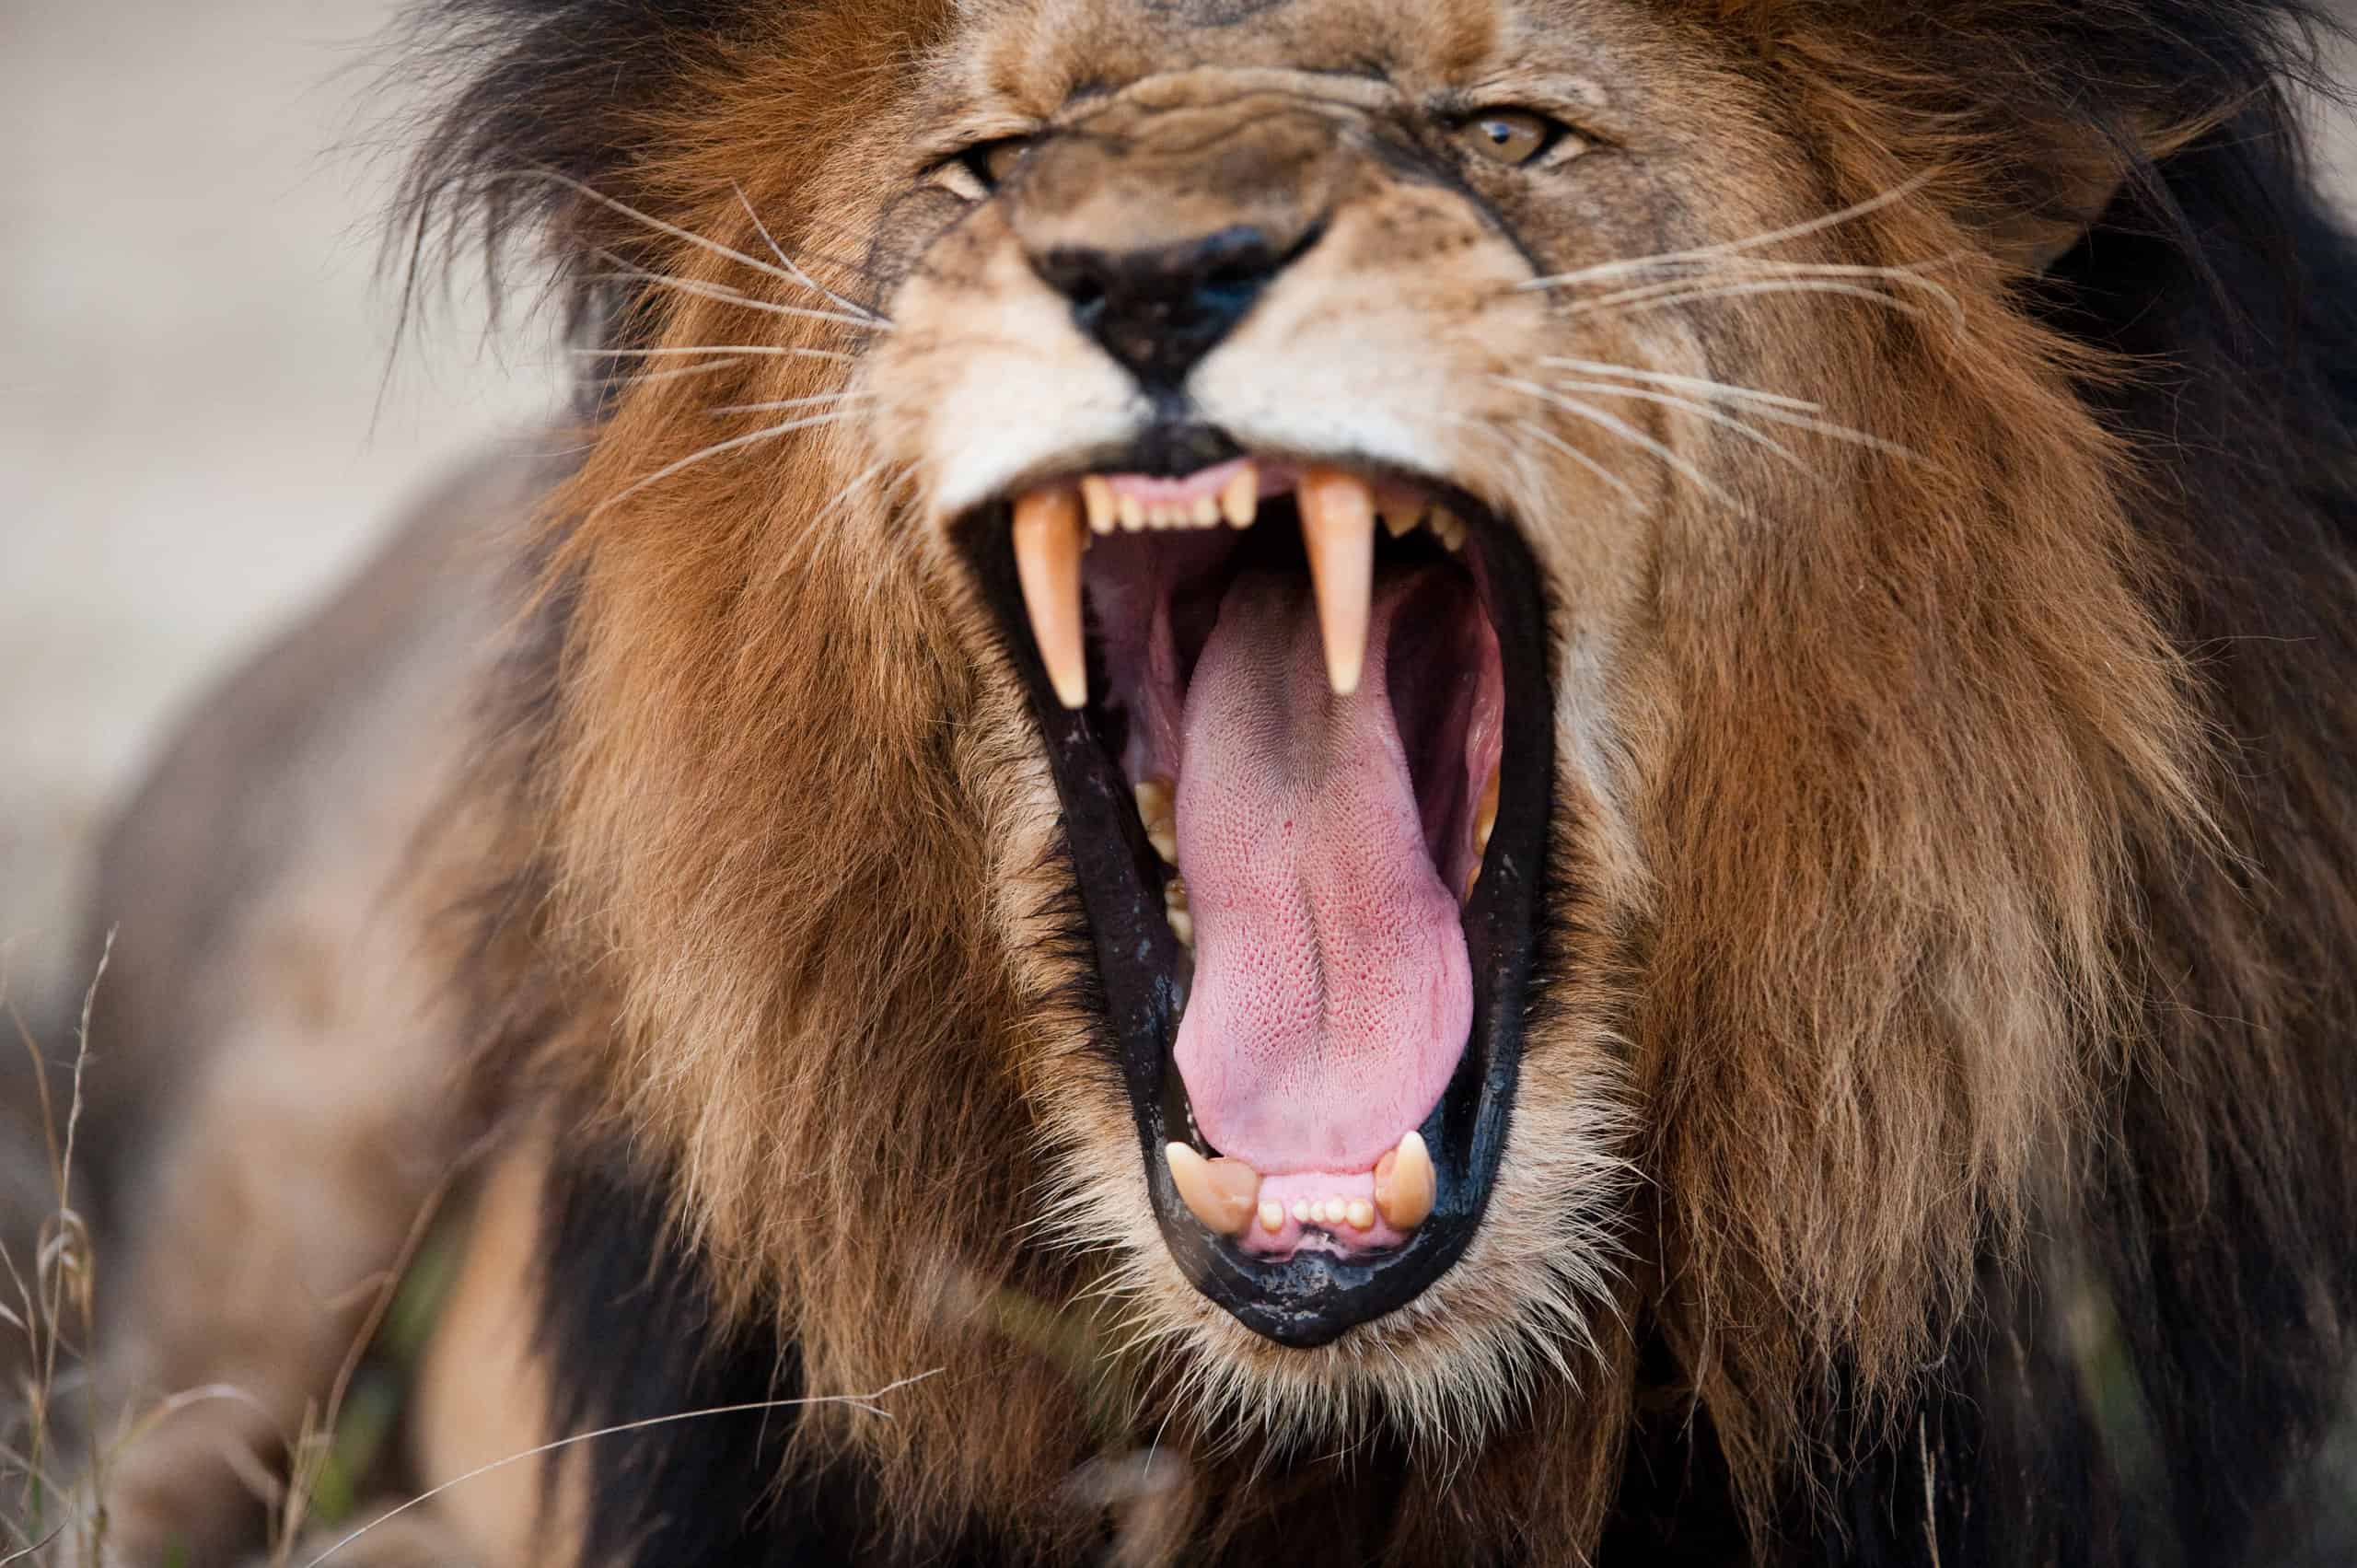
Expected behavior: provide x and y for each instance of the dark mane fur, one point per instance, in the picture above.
(2150, 1384)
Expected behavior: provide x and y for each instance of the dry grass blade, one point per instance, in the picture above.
(857, 1401)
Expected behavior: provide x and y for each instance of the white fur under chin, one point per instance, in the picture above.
(1443, 1373)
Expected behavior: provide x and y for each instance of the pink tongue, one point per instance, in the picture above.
(1332, 993)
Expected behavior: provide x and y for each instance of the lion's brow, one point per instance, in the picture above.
(1210, 13)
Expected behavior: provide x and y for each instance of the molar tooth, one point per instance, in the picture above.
(1362, 1215)
(1049, 538)
(1222, 1193)
(1132, 512)
(1400, 514)
(1404, 1183)
(1158, 810)
(1239, 503)
(1097, 495)
(1450, 527)
(1175, 910)
(1272, 1215)
(1485, 823)
(1338, 529)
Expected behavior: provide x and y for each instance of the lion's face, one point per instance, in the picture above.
(1298, 385)
(1489, 670)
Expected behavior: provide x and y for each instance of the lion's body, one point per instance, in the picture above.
(1936, 1131)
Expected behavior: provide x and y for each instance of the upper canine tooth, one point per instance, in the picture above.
(1222, 1193)
(1049, 538)
(1239, 503)
(1097, 495)
(1404, 1183)
(1338, 529)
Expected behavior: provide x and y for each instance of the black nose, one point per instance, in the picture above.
(1160, 309)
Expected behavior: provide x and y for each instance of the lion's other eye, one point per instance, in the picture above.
(1510, 137)
(995, 163)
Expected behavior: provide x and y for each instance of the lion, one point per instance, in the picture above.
(1541, 781)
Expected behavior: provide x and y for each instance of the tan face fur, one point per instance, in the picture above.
(1851, 691)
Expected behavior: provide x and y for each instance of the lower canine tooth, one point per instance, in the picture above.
(1225, 1194)
(1404, 1183)
(1049, 539)
(1338, 529)
(1239, 503)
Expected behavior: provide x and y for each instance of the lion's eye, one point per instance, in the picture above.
(988, 165)
(1510, 137)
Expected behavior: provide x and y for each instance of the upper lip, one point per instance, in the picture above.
(1308, 1298)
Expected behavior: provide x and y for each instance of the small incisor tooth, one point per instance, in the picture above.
(1207, 511)
(1222, 1193)
(1338, 530)
(1404, 1183)
(1132, 512)
(1049, 538)
(1239, 502)
(1272, 1216)
(1097, 495)
(1361, 1214)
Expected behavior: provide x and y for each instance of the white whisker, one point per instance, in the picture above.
(1734, 246)
(793, 270)
(1627, 490)
(1649, 298)
(1627, 432)
(1689, 383)
(677, 373)
(716, 449)
(1767, 272)
(767, 349)
(1688, 405)
(785, 403)
(790, 273)
(626, 272)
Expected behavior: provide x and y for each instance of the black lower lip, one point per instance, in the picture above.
(1311, 1298)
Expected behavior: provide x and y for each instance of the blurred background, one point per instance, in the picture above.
(202, 422)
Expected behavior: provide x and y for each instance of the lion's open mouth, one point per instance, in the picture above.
(1296, 713)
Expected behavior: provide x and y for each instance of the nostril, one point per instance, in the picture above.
(1158, 309)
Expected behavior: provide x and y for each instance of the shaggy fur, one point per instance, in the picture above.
(1937, 1137)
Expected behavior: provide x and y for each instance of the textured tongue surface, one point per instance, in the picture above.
(1332, 992)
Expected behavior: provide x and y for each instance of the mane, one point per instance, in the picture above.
(2028, 1045)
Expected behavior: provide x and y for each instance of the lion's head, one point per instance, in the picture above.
(1289, 719)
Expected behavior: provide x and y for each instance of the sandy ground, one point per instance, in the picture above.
(196, 429)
